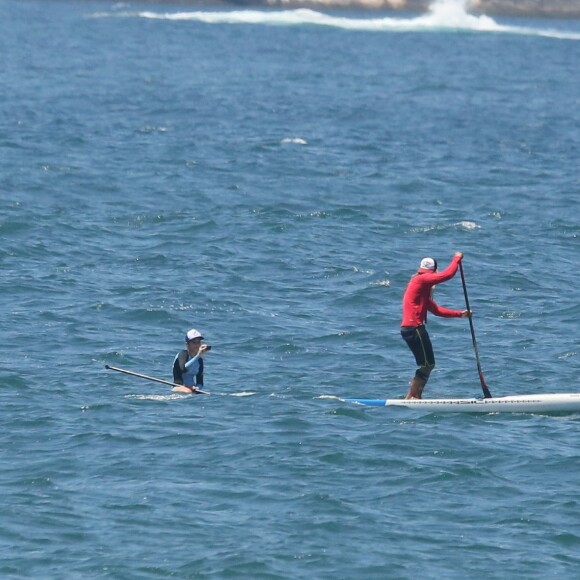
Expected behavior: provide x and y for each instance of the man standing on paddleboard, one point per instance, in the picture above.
(188, 364)
(417, 301)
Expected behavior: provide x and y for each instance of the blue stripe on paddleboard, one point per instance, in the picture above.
(369, 402)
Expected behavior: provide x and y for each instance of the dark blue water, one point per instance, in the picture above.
(273, 179)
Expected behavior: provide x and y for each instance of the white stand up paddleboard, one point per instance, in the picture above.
(558, 402)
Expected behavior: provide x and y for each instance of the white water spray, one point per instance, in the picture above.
(442, 15)
(453, 14)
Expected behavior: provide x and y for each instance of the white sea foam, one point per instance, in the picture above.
(466, 225)
(382, 283)
(442, 15)
(172, 397)
(294, 141)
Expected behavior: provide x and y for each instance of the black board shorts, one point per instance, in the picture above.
(417, 338)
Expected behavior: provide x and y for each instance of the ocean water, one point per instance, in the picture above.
(273, 178)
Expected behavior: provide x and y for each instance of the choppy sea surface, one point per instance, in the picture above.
(273, 178)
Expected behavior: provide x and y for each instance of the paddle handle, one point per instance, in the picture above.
(156, 380)
(484, 387)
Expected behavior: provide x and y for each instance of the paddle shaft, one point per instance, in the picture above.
(163, 382)
(484, 387)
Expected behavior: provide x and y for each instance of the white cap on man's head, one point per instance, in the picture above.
(192, 334)
(428, 264)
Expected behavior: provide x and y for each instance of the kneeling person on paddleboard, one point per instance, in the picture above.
(188, 364)
(417, 301)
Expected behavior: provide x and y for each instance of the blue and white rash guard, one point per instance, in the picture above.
(188, 370)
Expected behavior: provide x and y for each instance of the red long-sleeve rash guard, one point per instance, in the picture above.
(417, 298)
